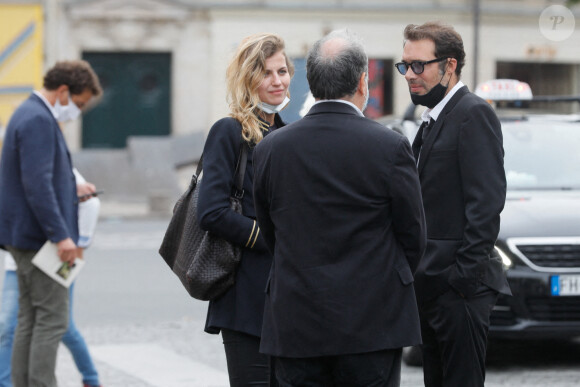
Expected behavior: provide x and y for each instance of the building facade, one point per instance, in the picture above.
(162, 62)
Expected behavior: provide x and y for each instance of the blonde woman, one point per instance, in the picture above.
(258, 78)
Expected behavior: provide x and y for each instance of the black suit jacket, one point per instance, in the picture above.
(338, 201)
(241, 307)
(463, 185)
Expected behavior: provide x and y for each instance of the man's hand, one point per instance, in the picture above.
(67, 250)
(85, 189)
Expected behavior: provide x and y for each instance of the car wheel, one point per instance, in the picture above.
(412, 356)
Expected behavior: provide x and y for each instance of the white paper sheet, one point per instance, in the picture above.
(48, 261)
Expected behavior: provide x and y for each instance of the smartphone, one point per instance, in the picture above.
(92, 194)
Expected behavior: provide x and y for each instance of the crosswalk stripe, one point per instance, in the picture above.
(158, 366)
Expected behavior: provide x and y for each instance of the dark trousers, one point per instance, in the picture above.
(42, 321)
(246, 365)
(454, 333)
(372, 369)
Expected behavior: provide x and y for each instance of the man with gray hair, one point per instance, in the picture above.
(338, 201)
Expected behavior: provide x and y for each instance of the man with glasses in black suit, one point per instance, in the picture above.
(459, 155)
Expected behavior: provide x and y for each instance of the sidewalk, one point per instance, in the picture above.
(180, 355)
(171, 354)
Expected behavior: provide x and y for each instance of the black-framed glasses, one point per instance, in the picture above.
(418, 66)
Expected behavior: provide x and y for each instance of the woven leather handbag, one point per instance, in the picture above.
(205, 263)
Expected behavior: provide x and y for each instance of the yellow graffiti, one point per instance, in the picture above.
(21, 55)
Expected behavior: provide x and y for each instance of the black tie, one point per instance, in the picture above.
(427, 128)
(421, 135)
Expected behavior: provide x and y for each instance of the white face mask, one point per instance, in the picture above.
(272, 109)
(68, 112)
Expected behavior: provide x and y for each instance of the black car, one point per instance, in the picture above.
(539, 239)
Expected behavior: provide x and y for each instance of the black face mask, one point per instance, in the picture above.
(433, 97)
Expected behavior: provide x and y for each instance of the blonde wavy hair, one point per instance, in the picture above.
(244, 75)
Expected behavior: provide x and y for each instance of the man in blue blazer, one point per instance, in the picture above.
(338, 201)
(459, 154)
(38, 203)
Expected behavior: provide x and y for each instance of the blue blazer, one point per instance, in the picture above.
(241, 308)
(38, 197)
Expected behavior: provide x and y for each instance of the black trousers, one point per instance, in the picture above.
(372, 369)
(246, 365)
(454, 333)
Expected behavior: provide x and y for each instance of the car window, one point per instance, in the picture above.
(542, 155)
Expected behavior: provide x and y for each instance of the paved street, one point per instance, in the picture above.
(145, 331)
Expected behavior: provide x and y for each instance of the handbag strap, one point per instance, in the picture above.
(240, 170)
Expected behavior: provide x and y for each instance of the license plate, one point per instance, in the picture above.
(565, 285)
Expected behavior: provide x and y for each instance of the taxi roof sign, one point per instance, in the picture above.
(504, 90)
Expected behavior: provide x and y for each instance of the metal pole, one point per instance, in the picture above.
(476, 11)
(51, 11)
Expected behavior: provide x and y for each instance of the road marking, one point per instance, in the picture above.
(158, 366)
